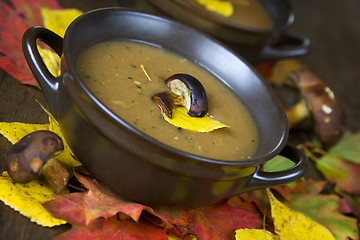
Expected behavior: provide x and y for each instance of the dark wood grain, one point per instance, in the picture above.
(333, 27)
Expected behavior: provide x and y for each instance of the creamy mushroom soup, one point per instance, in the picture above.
(125, 75)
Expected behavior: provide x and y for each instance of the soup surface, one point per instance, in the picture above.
(112, 71)
(250, 13)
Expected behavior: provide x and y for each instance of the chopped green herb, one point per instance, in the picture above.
(134, 66)
(130, 78)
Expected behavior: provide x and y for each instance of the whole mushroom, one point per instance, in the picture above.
(33, 155)
(317, 102)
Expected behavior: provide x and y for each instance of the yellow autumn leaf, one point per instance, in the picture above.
(14, 131)
(20, 196)
(181, 119)
(293, 225)
(283, 68)
(28, 199)
(59, 20)
(56, 21)
(256, 234)
(222, 7)
(66, 156)
(51, 60)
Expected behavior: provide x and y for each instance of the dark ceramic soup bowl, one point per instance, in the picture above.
(254, 44)
(134, 165)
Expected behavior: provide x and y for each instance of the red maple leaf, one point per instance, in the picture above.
(83, 207)
(98, 212)
(219, 221)
(114, 228)
(14, 21)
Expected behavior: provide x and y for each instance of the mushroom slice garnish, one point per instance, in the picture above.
(166, 100)
(191, 91)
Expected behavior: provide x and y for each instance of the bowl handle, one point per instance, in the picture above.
(262, 179)
(286, 46)
(48, 83)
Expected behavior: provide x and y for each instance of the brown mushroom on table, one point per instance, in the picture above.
(316, 102)
(187, 91)
(32, 156)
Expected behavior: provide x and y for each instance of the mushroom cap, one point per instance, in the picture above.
(192, 91)
(328, 116)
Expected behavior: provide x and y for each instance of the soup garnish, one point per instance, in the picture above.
(186, 91)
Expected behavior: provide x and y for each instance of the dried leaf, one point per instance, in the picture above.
(348, 147)
(197, 124)
(219, 221)
(278, 163)
(325, 210)
(114, 228)
(59, 20)
(338, 170)
(222, 7)
(308, 199)
(257, 234)
(14, 21)
(82, 210)
(30, 11)
(84, 207)
(21, 196)
(293, 225)
(51, 60)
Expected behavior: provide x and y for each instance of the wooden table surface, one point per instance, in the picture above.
(333, 27)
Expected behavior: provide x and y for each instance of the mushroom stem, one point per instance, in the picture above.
(55, 174)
